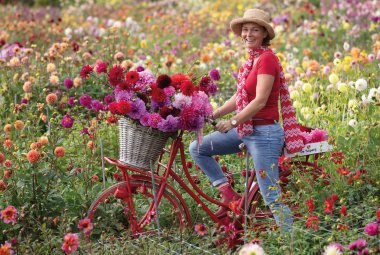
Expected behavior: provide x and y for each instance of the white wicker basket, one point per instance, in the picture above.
(139, 145)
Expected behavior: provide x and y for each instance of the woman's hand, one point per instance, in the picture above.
(224, 126)
(215, 114)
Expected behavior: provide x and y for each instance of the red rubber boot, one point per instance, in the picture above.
(228, 195)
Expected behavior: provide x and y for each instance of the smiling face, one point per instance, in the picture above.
(253, 35)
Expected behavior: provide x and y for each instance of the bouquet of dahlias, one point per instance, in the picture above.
(167, 103)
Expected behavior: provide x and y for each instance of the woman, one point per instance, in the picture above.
(260, 83)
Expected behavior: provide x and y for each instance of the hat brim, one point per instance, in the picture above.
(236, 25)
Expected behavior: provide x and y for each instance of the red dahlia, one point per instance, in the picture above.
(187, 88)
(132, 77)
(143, 97)
(112, 119)
(158, 94)
(113, 108)
(124, 107)
(188, 119)
(329, 205)
(343, 211)
(205, 81)
(86, 70)
(334, 197)
(310, 205)
(116, 75)
(164, 81)
(165, 111)
(75, 46)
(125, 85)
(313, 222)
(178, 79)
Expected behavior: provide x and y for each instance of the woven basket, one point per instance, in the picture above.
(139, 145)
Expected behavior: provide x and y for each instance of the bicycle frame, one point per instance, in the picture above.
(162, 181)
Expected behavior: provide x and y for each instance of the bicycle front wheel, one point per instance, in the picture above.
(112, 213)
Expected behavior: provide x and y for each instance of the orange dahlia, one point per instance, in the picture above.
(51, 99)
(43, 140)
(59, 151)
(7, 128)
(19, 125)
(33, 156)
(36, 145)
(8, 143)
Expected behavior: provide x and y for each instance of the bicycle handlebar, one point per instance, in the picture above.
(211, 121)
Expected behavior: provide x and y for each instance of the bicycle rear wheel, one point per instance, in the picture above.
(109, 212)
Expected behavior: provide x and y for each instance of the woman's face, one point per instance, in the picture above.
(253, 35)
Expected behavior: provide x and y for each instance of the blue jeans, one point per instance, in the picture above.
(265, 146)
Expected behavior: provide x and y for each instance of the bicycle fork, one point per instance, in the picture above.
(129, 200)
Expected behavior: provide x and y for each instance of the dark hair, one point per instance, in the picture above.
(266, 41)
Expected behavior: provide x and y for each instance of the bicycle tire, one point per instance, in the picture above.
(177, 209)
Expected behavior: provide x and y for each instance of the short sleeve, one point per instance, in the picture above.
(267, 64)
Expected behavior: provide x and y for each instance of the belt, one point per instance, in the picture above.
(263, 122)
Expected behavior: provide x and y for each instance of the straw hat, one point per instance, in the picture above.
(253, 15)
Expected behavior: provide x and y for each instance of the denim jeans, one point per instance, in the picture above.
(265, 146)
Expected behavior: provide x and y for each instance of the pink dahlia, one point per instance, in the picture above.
(169, 91)
(86, 225)
(101, 67)
(318, 135)
(359, 244)
(85, 100)
(6, 249)
(214, 73)
(154, 120)
(70, 243)
(68, 83)
(200, 229)
(9, 214)
(67, 121)
(372, 229)
(86, 71)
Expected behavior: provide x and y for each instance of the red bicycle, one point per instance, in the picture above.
(147, 201)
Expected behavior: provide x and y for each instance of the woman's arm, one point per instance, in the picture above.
(263, 90)
(228, 107)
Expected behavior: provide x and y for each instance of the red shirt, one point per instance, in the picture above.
(266, 64)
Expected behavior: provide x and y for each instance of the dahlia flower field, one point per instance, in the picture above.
(69, 71)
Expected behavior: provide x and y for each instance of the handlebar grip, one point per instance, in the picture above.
(213, 122)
